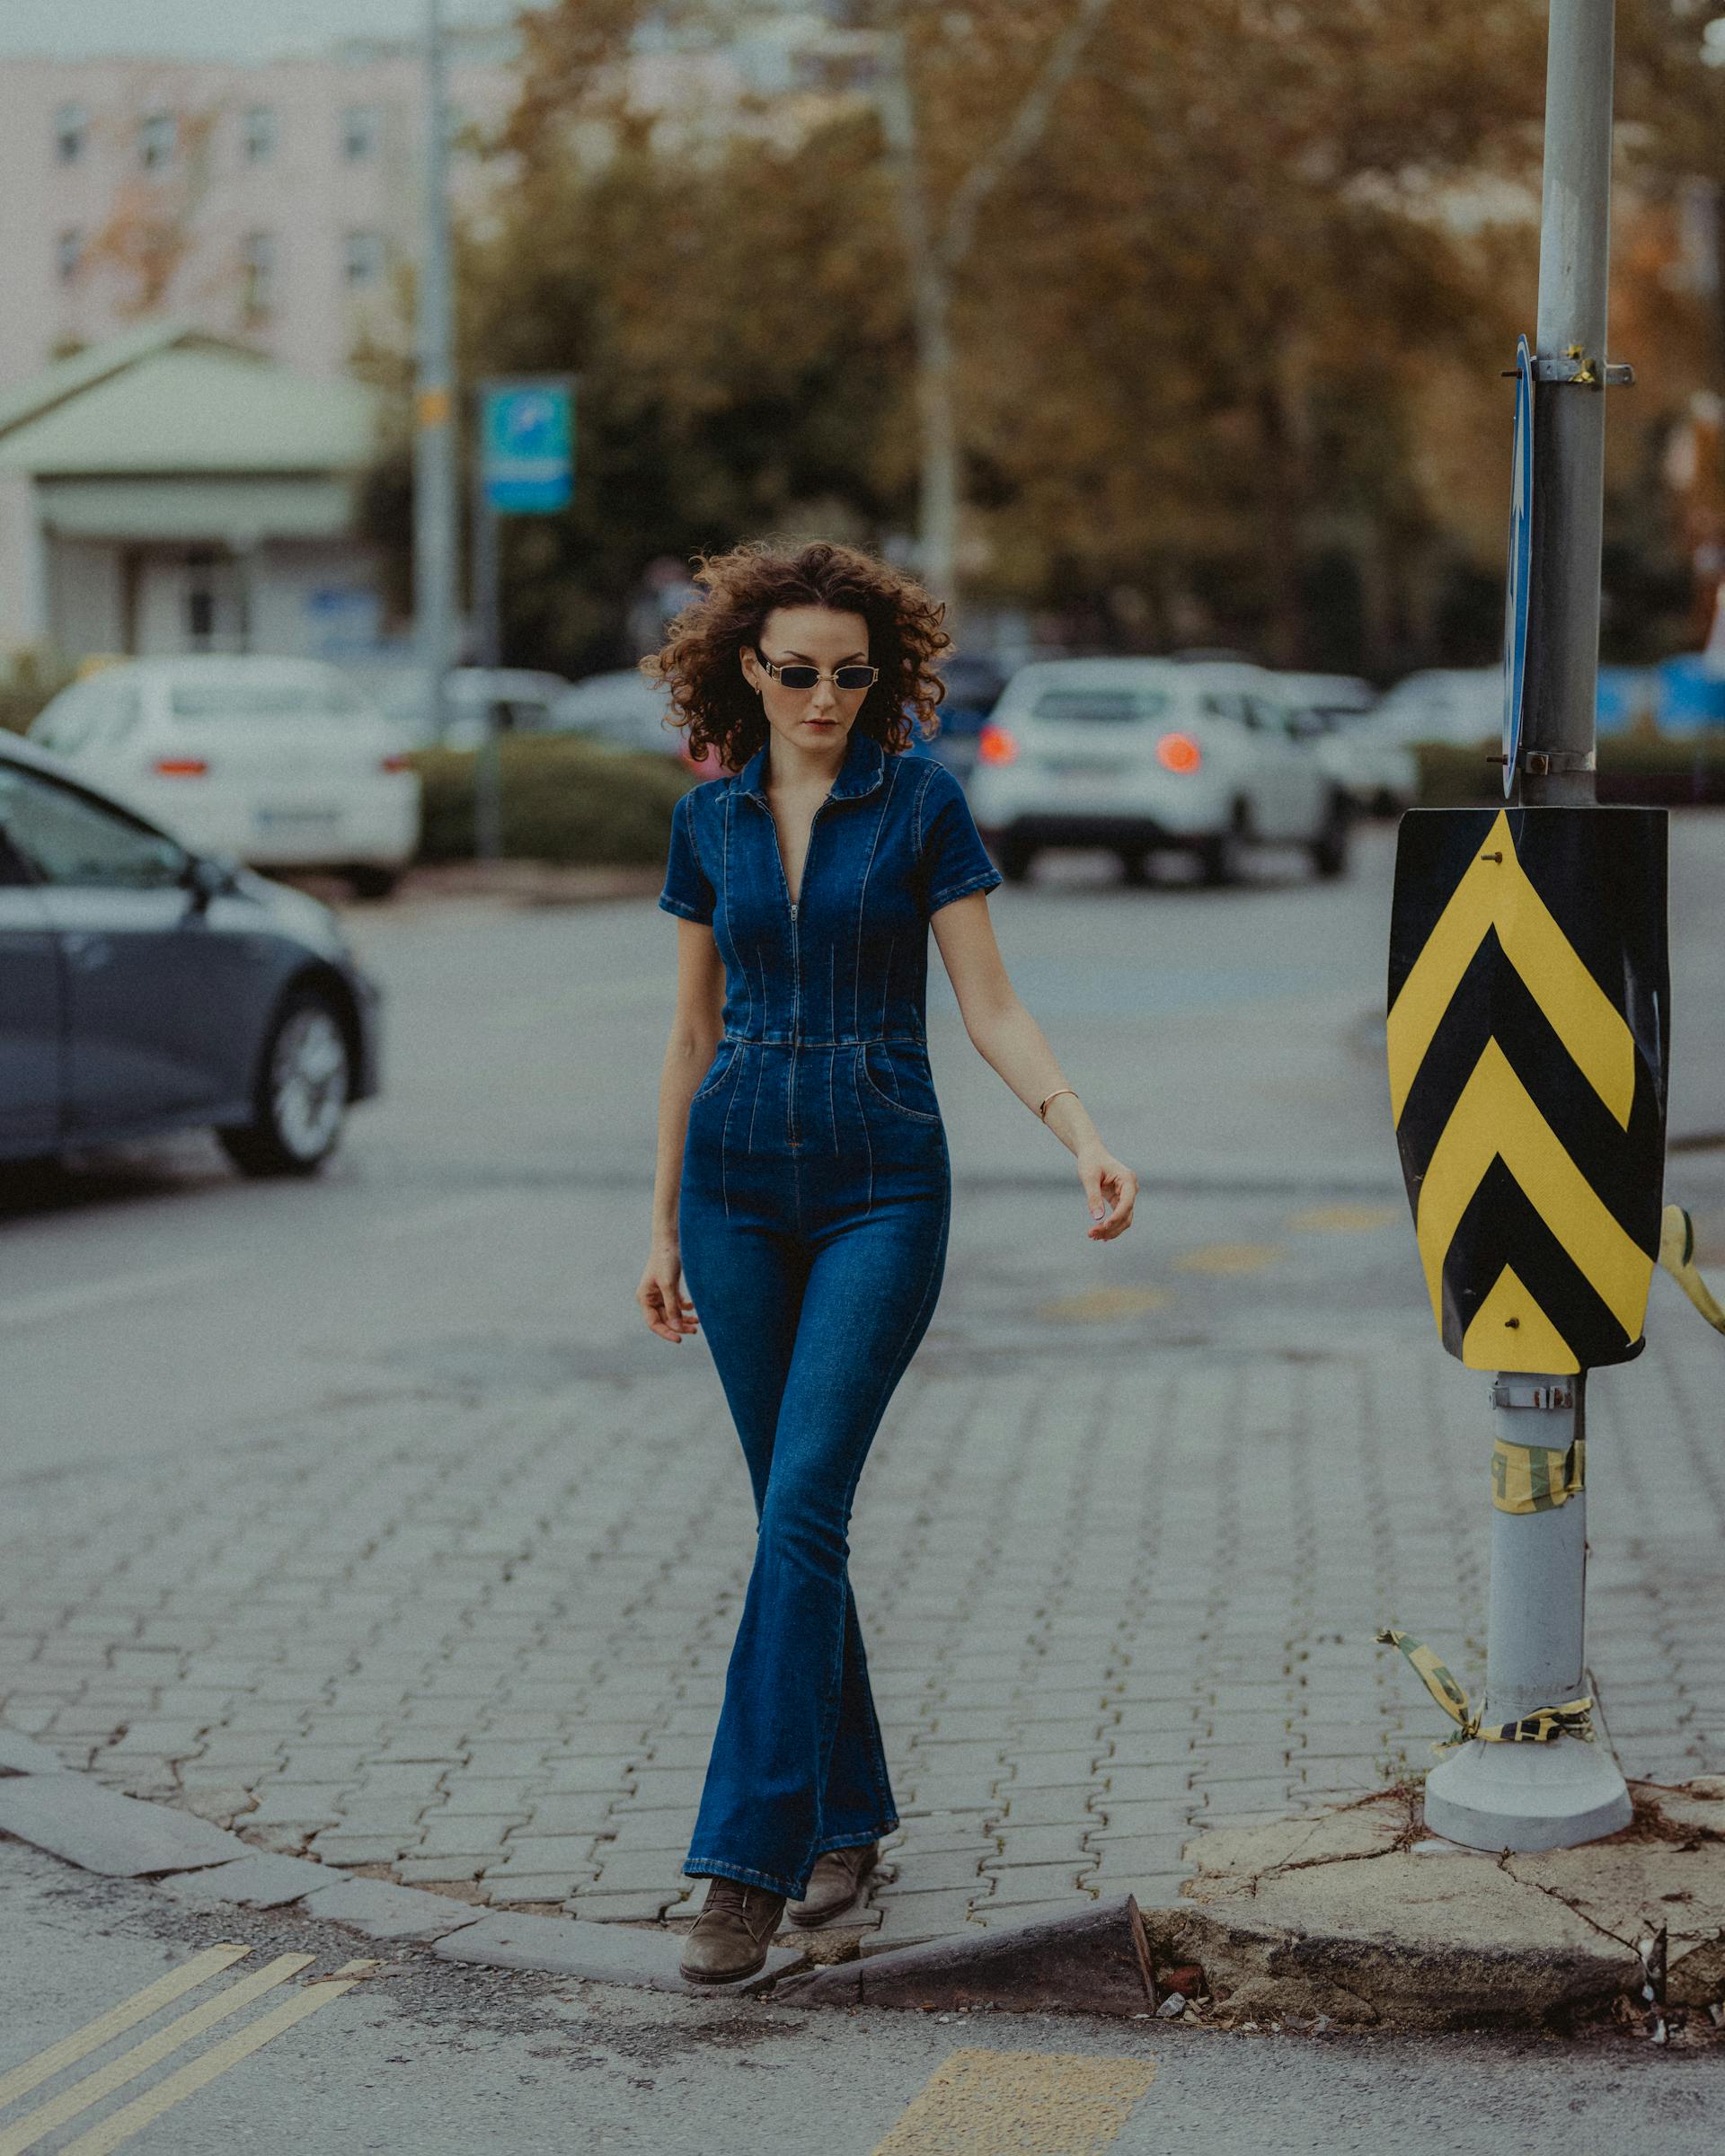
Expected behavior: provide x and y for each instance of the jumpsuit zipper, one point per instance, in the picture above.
(792, 1135)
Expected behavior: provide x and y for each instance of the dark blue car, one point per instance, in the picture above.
(145, 988)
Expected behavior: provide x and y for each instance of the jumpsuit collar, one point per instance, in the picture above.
(864, 765)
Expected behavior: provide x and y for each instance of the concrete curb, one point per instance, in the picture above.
(1095, 1961)
(1351, 1917)
(88, 1824)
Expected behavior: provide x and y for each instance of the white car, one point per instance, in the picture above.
(622, 707)
(1459, 706)
(1137, 755)
(278, 761)
(522, 700)
(1378, 772)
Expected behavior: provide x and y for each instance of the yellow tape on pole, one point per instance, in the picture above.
(1573, 1718)
(1677, 1255)
(1537, 1477)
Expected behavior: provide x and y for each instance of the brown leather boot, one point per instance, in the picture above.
(835, 1885)
(731, 1935)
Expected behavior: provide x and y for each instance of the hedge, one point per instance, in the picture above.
(562, 799)
(1662, 771)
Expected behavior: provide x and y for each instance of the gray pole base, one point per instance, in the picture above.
(1526, 1796)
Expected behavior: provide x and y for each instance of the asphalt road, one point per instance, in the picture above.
(481, 1237)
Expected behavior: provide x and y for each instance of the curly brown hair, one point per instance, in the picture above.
(701, 664)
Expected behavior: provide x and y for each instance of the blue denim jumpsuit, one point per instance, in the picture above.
(812, 1217)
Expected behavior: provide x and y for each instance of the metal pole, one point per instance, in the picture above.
(938, 512)
(1570, 420)
(434, 565)
(488, 790)
(1554, 1795)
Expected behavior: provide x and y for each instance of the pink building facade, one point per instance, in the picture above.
(277, 202)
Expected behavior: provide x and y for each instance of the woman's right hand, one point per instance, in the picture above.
(666, 1308)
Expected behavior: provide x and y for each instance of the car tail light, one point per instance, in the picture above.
(396, 763)
(994, 745)
(181, 767)
(1179, 753)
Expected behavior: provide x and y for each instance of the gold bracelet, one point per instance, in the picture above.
(1055, 1095)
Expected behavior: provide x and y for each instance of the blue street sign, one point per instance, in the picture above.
(1519, 590)
(526, 447)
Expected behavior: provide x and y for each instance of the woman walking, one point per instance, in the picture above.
(802, 1194)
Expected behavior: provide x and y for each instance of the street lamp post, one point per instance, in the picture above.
(435, 509)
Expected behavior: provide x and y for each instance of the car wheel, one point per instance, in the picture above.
(303, 1092)
(370, 879)
(1222, 857)
(1017, 857)
(1135, 871)
(1329, 848)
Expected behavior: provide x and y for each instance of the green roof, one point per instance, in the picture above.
(171, 399)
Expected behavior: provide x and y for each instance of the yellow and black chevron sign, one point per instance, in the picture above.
(1529, 1033)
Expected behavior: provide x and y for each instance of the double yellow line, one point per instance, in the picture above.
(131, 2118)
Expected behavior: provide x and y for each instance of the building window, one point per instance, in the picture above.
(68, 254)
(359, 134)
(258, 133)
(157, 136)
(258, 275)
(363, 260)
(71, 133)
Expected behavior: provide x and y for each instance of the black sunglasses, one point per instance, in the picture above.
(796, 675)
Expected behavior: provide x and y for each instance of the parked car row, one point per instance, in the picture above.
(620, 708)
(285, 762)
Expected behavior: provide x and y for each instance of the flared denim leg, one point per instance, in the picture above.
(797, 1765)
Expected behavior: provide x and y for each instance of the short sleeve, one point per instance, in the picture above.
(687, 891)
(951, 859)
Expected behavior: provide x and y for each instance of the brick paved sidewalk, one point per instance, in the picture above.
(1120, 1580)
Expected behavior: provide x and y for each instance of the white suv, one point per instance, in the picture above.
(1138, 756)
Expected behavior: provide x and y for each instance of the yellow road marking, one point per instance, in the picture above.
(133, 2117)
(1496, 893)
(94, 2035)
(1229, 1257)
(1018, 2103)
(46, 2117)
(1344, 1220)
(1097, 1305)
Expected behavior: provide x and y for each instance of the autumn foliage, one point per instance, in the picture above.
(1228, 327)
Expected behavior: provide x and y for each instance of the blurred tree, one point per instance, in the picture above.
(1215, 301)
(147, 232)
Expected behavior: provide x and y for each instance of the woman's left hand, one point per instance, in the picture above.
(1112, 1188)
